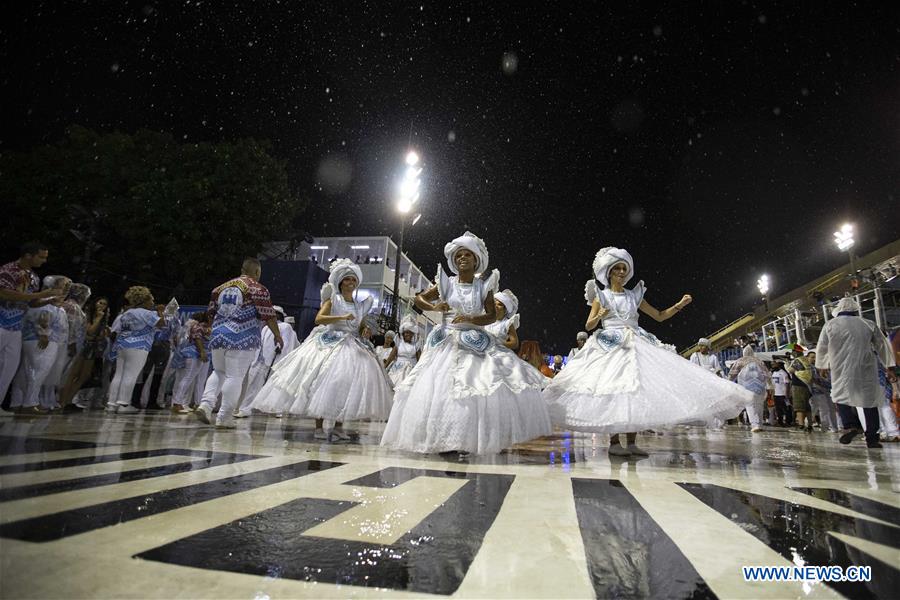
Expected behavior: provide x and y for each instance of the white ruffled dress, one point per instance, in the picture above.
(467, 393)
(404, 363)
(624, 379)
(500, 330)
(334, 374)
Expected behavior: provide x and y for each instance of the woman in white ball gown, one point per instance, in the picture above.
(625, 379)
(506, 330)
(468, 393)
(333, 376)
(404, 355)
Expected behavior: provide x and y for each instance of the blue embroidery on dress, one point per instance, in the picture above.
(610, 338)
(437, 336)
(330, 337)
(475, 339)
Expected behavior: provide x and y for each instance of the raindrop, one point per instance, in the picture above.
(510, 63)
(451, 136)
(636, 216)
(657, 31)
(334, 174)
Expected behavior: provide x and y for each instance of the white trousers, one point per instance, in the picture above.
(49, 396)
(888, 420)
(32, 373)
(230, 367)
(822, 404)
(186, 380)
(10, 353)
(753, 409)
(129, 363)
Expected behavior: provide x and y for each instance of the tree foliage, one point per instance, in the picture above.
(180, 216)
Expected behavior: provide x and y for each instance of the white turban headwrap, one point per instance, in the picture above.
(409, 325)
(748, 351)
(846, 304)
(389, 334)
(582, 335)
(278, 310)
(510, 301)
(470, 242)
(608, 257)
(703, 342)
(341, 269)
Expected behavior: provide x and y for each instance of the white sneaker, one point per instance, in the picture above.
(128, 410)
(111, 408)
(240, 414)
(226, 424)
(635, 451)
(618, 450)
(756, 430)
(340, 434)
(6, 413)
(320, 434)
(204, 414)
(279, 415)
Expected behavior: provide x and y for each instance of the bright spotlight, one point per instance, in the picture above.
(412, 158)
(763, 285)
(844, 238)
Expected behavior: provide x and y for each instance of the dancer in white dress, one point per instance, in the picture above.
(333, 376)
(403, 356)
(468, 393)
(384, 351)
(506, 327)
(626, 380)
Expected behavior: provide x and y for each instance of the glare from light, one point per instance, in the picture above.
(409, 187)
(844, 238)
(412, 158)
(416, 219)
(359, 247)
(763, 285)
(318, 247)
(404, 205)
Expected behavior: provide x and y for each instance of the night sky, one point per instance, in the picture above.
(715, 141)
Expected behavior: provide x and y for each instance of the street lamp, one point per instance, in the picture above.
(762, 284)
(407, 197)
(843, 238)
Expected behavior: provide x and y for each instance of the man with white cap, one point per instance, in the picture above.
(849, 348)
(705, 359)
(580, 339)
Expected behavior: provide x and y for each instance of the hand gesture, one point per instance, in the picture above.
(823, 373)
(279, 344)
(204, 357)
(43, 341)
(685, 300)
(441, 307)
(349, 317)
(461, 319)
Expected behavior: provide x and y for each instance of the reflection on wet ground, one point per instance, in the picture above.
(803, 535)
(173, 508)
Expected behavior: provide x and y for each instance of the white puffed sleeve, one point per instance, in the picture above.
(367, 305)
(492, 283)
(638, 292)
(327, 292)
(591, 292)
(515, 321)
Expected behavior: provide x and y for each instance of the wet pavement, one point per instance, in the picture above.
(158, 506)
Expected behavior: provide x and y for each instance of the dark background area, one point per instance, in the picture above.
(715, 141)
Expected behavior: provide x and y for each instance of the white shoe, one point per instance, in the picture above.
(111, 408)
(756, 430)
(6, 413)
(320, 434)
(618, 450)
(127, 410)
(80, 405)
(340, 434)
(278, 415)
(240, 414)
(204, 414)
(226, 424)
(635, 451)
